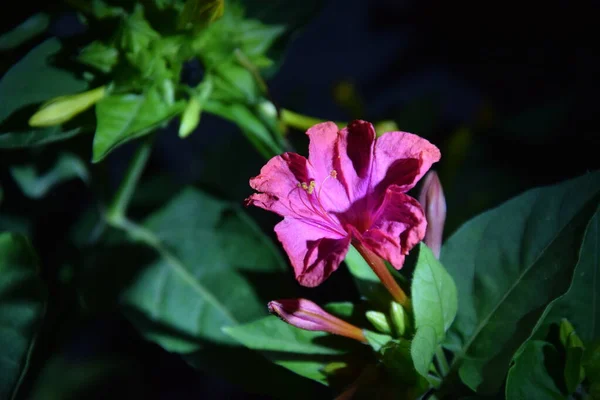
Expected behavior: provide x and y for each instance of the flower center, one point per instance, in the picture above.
(314, 199)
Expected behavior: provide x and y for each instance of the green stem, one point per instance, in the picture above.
(118, 207)
(302, 122)
(442, 362)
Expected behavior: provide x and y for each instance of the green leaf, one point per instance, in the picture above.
(396, 356)
(376, 340)
(528, 377)
(200, 13)
(136, 33)
(124, 117)
(367, 282)
(32, 80)
(22, 306)
(35, 137)
(182, 299)
(574, 373)
(32, 27)
(253, 128)
(433, 294)
(33, 185)
(434, 302)
(509, 264)
(100, 56)
(423, 348)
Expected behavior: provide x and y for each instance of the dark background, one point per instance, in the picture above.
(506, 90)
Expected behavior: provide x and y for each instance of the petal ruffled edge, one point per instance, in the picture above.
(313, 252)
(398, 226)
(401, 159)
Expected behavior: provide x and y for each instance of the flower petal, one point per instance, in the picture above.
(278, 181)
(401, 158)
(354, 157)
(315, 251)
(398, 226)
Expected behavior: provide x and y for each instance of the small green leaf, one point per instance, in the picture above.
(35, 137)
(68, 167)
(137, 34)
(423, 348)
(22, 306)
(574, 373)
(125, 117)
(528, 377)
(32, 27)
(100, 56)
(376, 340)
(200, 13)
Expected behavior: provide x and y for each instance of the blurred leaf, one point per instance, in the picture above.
(209, 253)
(99, 55)
(22, 306)
(434, 302)
(32, 27)
(200, 13)
(128, 116)
(368, 283)
(29, 82)
(36, 137)
(528, 377)
(136, 32)
(234, 83)
(508, 265)
(68, 167)
(32, 80)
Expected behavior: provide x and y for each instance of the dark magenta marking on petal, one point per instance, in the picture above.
(361, 136)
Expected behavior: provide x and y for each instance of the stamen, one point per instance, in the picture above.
(333, 174)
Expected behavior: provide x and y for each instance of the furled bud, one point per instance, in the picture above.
(379, 321)
(434, 204)
(305, 314)
(399, 318)
(63, 108)
(190, 118)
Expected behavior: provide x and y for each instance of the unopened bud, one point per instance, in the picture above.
(379, 321)
(305, 314)
(434, 204)
(63, 108)
(190, 118)
(399, 318)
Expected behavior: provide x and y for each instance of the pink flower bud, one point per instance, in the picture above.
(434, 204)
(305, 314)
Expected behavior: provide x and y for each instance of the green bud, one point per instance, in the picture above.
(379, 321)
(399, 318)
(63, 108)
(190, 118)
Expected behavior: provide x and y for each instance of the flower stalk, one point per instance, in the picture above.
(384, 275)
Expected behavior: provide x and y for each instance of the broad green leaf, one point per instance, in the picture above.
(22, 306)
(423, 348)
(32, 81)
(434, 301)
(367, 282)
(99, 55)
(528, 378)
(34, 185)
(32, 27)
(125, 117)
(272, 334)
(212, 262)
(508, 264)
(234, 83)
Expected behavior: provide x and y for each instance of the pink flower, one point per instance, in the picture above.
(305, 314)
(350, 189)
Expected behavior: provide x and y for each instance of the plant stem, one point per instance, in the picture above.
(118, 207)
(386, 278)
(442, 362)
(302, 122)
